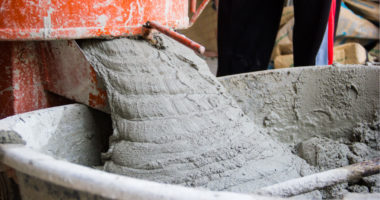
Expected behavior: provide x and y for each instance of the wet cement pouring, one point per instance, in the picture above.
(175, 123)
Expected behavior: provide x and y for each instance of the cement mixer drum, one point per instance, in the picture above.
(75, 19)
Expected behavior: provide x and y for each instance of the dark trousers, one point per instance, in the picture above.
(247, 31)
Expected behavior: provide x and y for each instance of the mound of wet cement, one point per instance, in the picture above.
(329, 116)
(325, 153)
(175, 123)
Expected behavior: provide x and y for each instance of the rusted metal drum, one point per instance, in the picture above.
(33, 72)
(74, 19)
(28, 69)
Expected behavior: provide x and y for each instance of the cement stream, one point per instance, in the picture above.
(175, 123)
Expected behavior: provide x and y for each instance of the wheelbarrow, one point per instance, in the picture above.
(45, 167)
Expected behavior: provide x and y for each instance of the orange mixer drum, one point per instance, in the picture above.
(74, 19)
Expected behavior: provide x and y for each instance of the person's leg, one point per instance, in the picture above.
(311, 18)
(247, 31)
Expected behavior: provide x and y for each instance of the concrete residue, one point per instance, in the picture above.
(325, 153)
(368, 133)
(330, 119)
(175, 123)
(10, 137)
(296, 105)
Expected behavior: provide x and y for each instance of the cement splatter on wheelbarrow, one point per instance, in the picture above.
(330, 119)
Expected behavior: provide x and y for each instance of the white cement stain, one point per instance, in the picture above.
(102, 20)
(140, 9)
(130, 15)
(103, 4)
(47, 23)
(167, 4)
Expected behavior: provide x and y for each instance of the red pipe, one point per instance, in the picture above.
(198, 12)
(193, 6)
(177, 36)
(330, 33)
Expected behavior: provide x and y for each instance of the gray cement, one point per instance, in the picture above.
(329, 116)
(175, 123)
(325, 153)
(10, 137)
